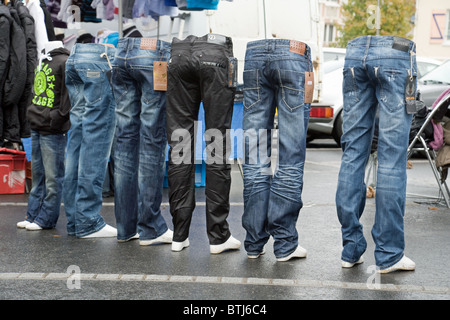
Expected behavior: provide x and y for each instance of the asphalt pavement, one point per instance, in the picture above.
(50, 265)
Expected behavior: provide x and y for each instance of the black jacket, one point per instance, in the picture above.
(27, 22)
(17, 74)
(5, 25)
(50, 109)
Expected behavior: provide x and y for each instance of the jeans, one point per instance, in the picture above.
(274, 78)
(47, 168)
(92, 128)
(198, 71)
(375, 77)
(140, 140)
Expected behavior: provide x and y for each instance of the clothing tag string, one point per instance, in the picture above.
(104, 55)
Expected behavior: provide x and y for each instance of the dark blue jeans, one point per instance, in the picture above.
(92, 128)
(47, 168)
(274, 77)
(375, 76)
(140, 140)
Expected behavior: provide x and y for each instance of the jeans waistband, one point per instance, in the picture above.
(136, 43)
(382, 41)
(93, 48)
(209, 40)
(275, 45)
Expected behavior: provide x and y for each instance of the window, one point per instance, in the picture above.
(328, 33)
(448, 26)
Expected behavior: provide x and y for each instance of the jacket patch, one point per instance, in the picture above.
(43, 83)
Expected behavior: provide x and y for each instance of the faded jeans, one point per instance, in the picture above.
(90, 136)
(375, 76)
(274, 78)
(47, 168)
(140, 140)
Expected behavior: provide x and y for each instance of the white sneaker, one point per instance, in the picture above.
(256, 255)
(405, 264)
(33, 227)
(166, 237)
(136, 236)
(178, 246)
(231, 244)
(346, 264)
(106, 232)
(298, 253)
(23, 224)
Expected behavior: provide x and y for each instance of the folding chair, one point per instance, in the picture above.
(419, 143)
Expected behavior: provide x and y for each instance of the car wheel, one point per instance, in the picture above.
(337, 129)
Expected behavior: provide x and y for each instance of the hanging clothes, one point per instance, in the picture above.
(40, 29)
(15, 79)
(5, 40)
(48, 21)
(27, 23)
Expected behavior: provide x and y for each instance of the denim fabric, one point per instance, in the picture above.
(274, 78)
(374, 81)
(198, 72)
(47, 168)
(90, 137)
(140, 140)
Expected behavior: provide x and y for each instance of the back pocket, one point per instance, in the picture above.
(251, 88)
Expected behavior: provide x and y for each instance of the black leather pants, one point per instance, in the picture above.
(198, 71)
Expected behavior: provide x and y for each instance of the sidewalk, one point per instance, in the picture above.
(37, 264)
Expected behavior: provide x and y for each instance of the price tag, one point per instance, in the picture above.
(309, 86)
(160, 76)
(410, 95)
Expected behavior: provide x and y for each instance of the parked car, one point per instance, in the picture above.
(432, 84)
(326, 116)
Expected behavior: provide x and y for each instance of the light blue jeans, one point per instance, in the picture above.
(92, 128)
(375, 76)
(140, 140)
(274, 77)
(47, 169)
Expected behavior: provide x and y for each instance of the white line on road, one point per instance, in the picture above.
(325, 284)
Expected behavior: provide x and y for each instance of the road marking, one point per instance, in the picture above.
(322, 284)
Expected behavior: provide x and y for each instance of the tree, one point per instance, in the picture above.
(359, 19)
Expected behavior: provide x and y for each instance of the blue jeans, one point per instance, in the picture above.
(47, 168)
(90, 137)
(375, 78)
(140, 140)
(274, 78)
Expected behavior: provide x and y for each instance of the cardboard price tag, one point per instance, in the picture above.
(309, 87)
(160, 76)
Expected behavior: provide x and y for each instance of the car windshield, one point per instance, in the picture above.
(440, 75)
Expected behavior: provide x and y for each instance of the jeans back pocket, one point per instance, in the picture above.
(251, 88)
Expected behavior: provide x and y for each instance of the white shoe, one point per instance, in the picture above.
(405, 264)
(230, 244)
(346, 264)
(257, 255)
(23, 224)
(178, 246)
(136, 236)
(166, 237)
(33, 227)
(106, 232)
(298, 253)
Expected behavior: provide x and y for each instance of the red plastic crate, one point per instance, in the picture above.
(12, 171)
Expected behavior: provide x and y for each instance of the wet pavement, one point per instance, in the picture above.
(49, 264)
